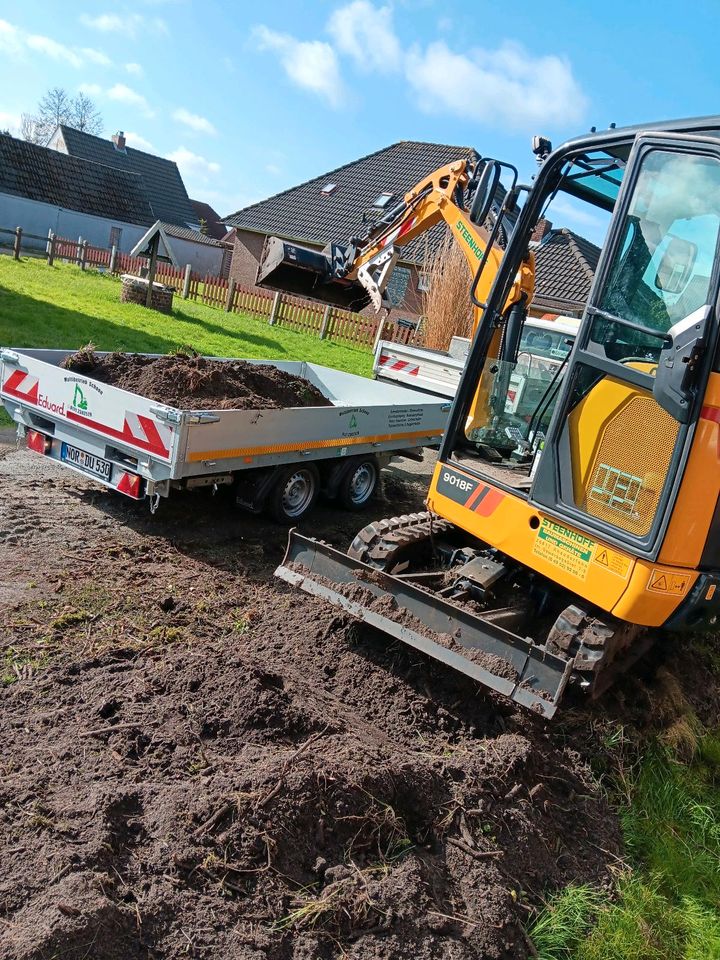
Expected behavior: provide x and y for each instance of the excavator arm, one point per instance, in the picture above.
(355, 274)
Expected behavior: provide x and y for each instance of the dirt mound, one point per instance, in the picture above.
(191, 801)
(200, 762)
(194, 382)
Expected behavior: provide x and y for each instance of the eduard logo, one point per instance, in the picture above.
(47, 404)
(456, 481)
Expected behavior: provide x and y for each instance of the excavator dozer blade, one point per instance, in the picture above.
(509, 664)
(307, 273)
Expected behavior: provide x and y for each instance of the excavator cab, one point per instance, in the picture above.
(560, 538)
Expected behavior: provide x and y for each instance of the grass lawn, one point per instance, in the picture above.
(667, 907)
(63, 307)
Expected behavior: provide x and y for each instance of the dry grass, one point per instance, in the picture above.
(446, 305)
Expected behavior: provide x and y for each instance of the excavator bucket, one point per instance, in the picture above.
(308, 273)
(509, 664)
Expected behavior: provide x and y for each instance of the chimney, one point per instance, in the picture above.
(119, 140)
(542, 229)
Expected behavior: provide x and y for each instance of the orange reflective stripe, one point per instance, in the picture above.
(310, 445)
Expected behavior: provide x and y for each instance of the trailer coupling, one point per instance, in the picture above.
(509, 664)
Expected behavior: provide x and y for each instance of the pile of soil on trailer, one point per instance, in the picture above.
(192, 382)
(200, 762)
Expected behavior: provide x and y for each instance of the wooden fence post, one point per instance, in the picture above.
(325, 321)
(18, 242)
(49, 241)
(230, 296)
(186, 281)
(380, 331)
(113, 258)
(275, 308)
(51, 249)
(83, 254)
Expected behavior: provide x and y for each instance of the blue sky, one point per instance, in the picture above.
(252, 98)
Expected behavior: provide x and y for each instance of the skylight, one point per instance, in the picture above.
(383, 200)
(329, 188)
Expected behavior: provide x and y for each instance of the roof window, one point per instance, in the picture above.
(383, 200)
(329, 188)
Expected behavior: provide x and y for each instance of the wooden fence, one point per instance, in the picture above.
(281, 309)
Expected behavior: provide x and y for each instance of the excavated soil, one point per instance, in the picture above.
(188, 381)
(200, 762)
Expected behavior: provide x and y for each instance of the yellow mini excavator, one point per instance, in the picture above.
(555, 546)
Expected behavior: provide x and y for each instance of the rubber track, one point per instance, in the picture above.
(378, 543)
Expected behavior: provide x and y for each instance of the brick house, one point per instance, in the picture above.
(337, 204)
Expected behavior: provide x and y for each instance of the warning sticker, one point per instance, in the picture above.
(612, 560)
(673, 583)
(564, 548)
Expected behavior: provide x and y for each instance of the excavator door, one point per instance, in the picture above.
(621, 428)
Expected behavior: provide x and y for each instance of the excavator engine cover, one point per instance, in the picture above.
(308, 273)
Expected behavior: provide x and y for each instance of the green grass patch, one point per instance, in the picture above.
(63, 307)
(666, 908)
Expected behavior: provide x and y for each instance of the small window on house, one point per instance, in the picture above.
(115, 234)
(328, 189)
(383, 200)
(423, 283)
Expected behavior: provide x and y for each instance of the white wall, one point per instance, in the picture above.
(36, 217)
(203, 257)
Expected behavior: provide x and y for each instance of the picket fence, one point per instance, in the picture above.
(305, 316)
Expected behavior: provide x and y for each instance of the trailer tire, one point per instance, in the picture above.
(358, 484)
(294, 492)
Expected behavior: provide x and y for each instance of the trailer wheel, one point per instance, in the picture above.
(294, 492)
(358, 484)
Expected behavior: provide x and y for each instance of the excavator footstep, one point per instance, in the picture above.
(509, 664)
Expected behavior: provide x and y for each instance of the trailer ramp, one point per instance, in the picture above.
(534, 679)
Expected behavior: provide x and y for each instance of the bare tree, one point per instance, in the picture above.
(56, 108)
(85, 115)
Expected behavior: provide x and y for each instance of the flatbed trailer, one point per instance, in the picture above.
(281, 458)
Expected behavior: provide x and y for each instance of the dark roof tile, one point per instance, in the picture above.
(194, 236)
(305, 214)
(565, 265)
(163, 183)
(38, 173)
(203, 211)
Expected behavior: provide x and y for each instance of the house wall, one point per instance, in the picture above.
(37, 217)
(202, 257)
(247, 249)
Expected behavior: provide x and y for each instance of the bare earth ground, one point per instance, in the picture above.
(199, 762)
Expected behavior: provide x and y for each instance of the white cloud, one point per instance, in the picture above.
(53, 49)
(16, 43)
(10, 121)
(11, 41)
(193, 166)
(135, 69)
(91, 89)
(106, 22)
(310, 64)
(507, 86)
(139, 142)
(194, 121)
(125, 94)
(95, 56)
(366, 34)
(129, 24)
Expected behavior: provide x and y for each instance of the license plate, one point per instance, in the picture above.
(87, 462)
